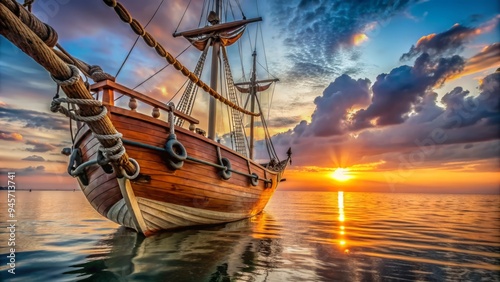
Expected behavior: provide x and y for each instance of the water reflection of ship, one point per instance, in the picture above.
(227, 252)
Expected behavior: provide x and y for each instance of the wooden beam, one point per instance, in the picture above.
(214, 28)
(108, 96)
(108, 84)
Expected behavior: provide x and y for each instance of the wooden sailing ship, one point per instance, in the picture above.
(159, 171)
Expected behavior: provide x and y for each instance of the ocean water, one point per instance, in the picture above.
(301, 236)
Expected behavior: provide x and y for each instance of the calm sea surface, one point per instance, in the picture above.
(302, 236)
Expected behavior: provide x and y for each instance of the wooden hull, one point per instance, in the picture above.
(162, 198)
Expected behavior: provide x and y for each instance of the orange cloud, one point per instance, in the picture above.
(425, 38)
(13, 136)
(359, 38)
(485, 59)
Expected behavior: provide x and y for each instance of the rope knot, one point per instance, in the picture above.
(55, 105)
(97, 74)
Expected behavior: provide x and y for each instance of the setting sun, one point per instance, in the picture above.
(341, 174)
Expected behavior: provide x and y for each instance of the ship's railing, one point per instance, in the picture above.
(105, 91)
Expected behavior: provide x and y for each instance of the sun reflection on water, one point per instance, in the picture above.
(342, 240)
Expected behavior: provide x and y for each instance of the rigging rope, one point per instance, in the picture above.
(269, 141)
(241, 10)
(271, 101)
(240, 50)
(183, 14)
(230, 8)
(263, 46)
(178, 91)
(150, 41)
(137, 39)
(160, 70)
(205, 6)
(188, 98)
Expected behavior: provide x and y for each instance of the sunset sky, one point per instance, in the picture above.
(403, 97)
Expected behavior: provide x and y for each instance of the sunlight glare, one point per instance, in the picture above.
(341, 174)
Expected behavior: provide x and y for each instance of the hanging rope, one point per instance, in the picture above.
(150, 41)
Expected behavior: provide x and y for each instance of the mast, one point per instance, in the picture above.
(212, 108)
(253, 88)
(253, 93)
(216, 35)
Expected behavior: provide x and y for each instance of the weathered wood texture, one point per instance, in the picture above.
(195, 194)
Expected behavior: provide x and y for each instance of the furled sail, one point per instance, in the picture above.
(259, 88)
(227, 37)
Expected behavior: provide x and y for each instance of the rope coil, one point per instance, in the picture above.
(75, 75)
(56, 107)
(115, 152)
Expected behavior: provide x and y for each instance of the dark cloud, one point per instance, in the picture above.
(470, 110)
(443, 156)
(39, 147)
(404, 117)
(283, 121)
(279, 122)
(332, 108)
(25, 171)
(396, 93)
(57, 161)
(427, 110)
(34, 158)
(407, 122)
(34, 169)
(445, 43)
(10, 136)
(466, 129)
(315, 31)
(300, 128)
(34, 119)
